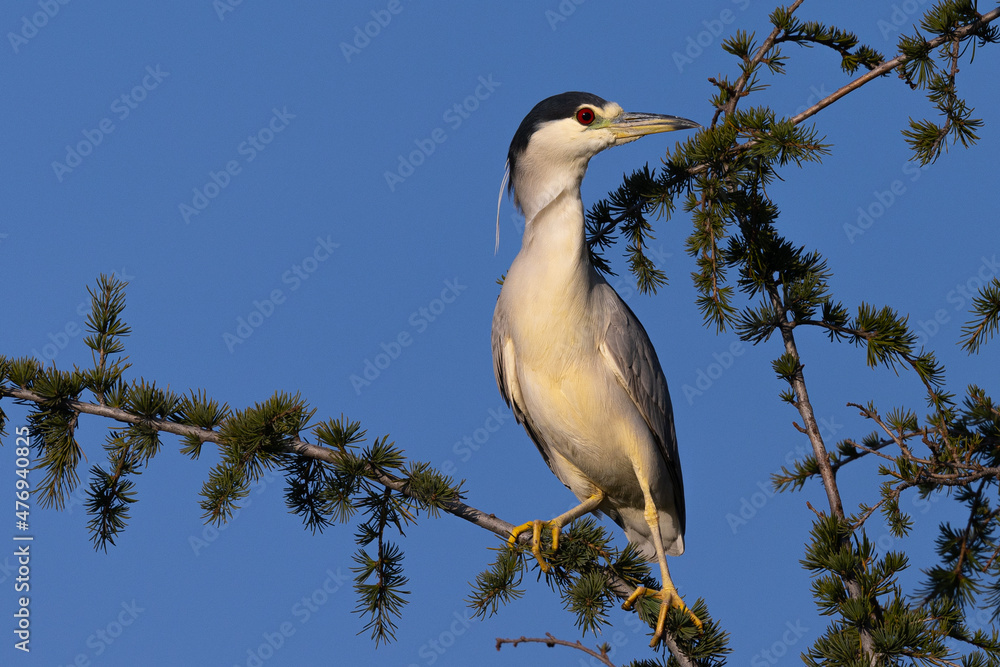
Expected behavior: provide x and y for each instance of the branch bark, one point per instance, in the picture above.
(551, 641)
(808, 415)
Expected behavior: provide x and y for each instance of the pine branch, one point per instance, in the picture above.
(621, 588)
(986, 309)
(892, 64)
(739, 89)
(880, 70)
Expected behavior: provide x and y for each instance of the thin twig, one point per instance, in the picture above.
(835, 328)
(736, 91)
(850, 458)
(897, 438)
(870, 450)
(976, 471)
(551, 641)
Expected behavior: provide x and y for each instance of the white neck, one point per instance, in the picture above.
(542, 177)
(556, 231)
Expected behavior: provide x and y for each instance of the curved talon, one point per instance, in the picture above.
(636, 594)
(668, 598)
(564, 519)
(516, 533)
(536, 539)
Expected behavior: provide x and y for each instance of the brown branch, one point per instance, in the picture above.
(551, 641)
(871, 510)
(804, 406)
(935, 148)
(964, 551)
(890, 65)
(490, 522)
(897, 438)
(736, 91)
(848, 88)
(296, 446)
(996, 552)
(870, 450)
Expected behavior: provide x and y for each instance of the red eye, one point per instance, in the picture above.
(585, 116)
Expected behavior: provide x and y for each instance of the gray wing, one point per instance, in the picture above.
(627, 348)
(505, 370)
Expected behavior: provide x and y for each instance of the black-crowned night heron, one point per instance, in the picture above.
(571, 359)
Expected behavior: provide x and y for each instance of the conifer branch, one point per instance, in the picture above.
(986, 308)
(739, 89)
(296, 446)
(619, 586)
(892, 64)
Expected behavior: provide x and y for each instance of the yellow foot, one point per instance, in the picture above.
(668, 598)
(536, 539)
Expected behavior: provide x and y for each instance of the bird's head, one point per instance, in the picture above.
(555, 141)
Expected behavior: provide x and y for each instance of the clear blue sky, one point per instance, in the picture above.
(232, 165)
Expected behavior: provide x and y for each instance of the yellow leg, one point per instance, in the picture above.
(668, 594)
(556, 524)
